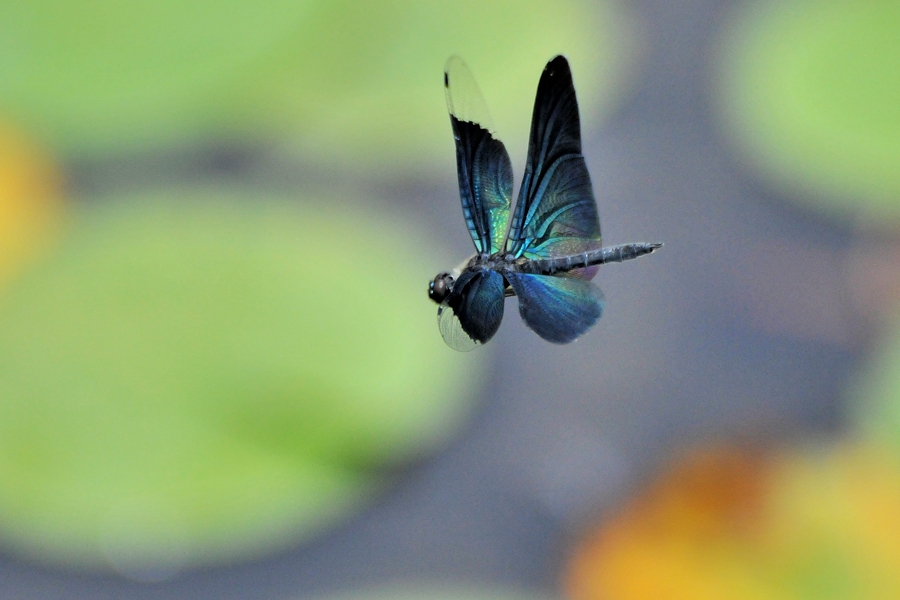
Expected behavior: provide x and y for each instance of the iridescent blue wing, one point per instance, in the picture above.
(471, 314)
(556, 213)
(483, 167)
(559, 309)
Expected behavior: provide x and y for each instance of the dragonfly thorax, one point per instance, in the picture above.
(442, 285)
(499, 261)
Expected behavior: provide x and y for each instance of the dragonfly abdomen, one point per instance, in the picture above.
(563, 264)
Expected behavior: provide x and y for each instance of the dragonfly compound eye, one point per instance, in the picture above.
(440, 287)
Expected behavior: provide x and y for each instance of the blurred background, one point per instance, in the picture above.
(221, 377)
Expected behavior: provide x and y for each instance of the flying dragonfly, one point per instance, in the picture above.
(552, 248)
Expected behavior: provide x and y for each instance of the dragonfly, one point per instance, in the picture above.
(547, 254)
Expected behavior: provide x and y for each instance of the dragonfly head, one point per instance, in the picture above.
(440, 287)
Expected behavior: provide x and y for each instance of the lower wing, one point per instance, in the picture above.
(471, 314)
(559, 309)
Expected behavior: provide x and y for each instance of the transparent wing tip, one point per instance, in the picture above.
(452, 331)
(464, 99)
(454, 62)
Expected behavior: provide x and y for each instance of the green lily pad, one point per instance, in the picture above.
(343, 81)
(203, 376)
(811, 94)
(875, 397)
(106, 76)
(374, 92)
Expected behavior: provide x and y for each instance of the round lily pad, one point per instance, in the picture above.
(106, 76)
(875, 400)
(341, 80)
(813, 523)
(373, 94)
(811, 95)
(30, 203)
(203, 376)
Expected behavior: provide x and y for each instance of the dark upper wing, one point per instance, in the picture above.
(556, 213)
(483, 167)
